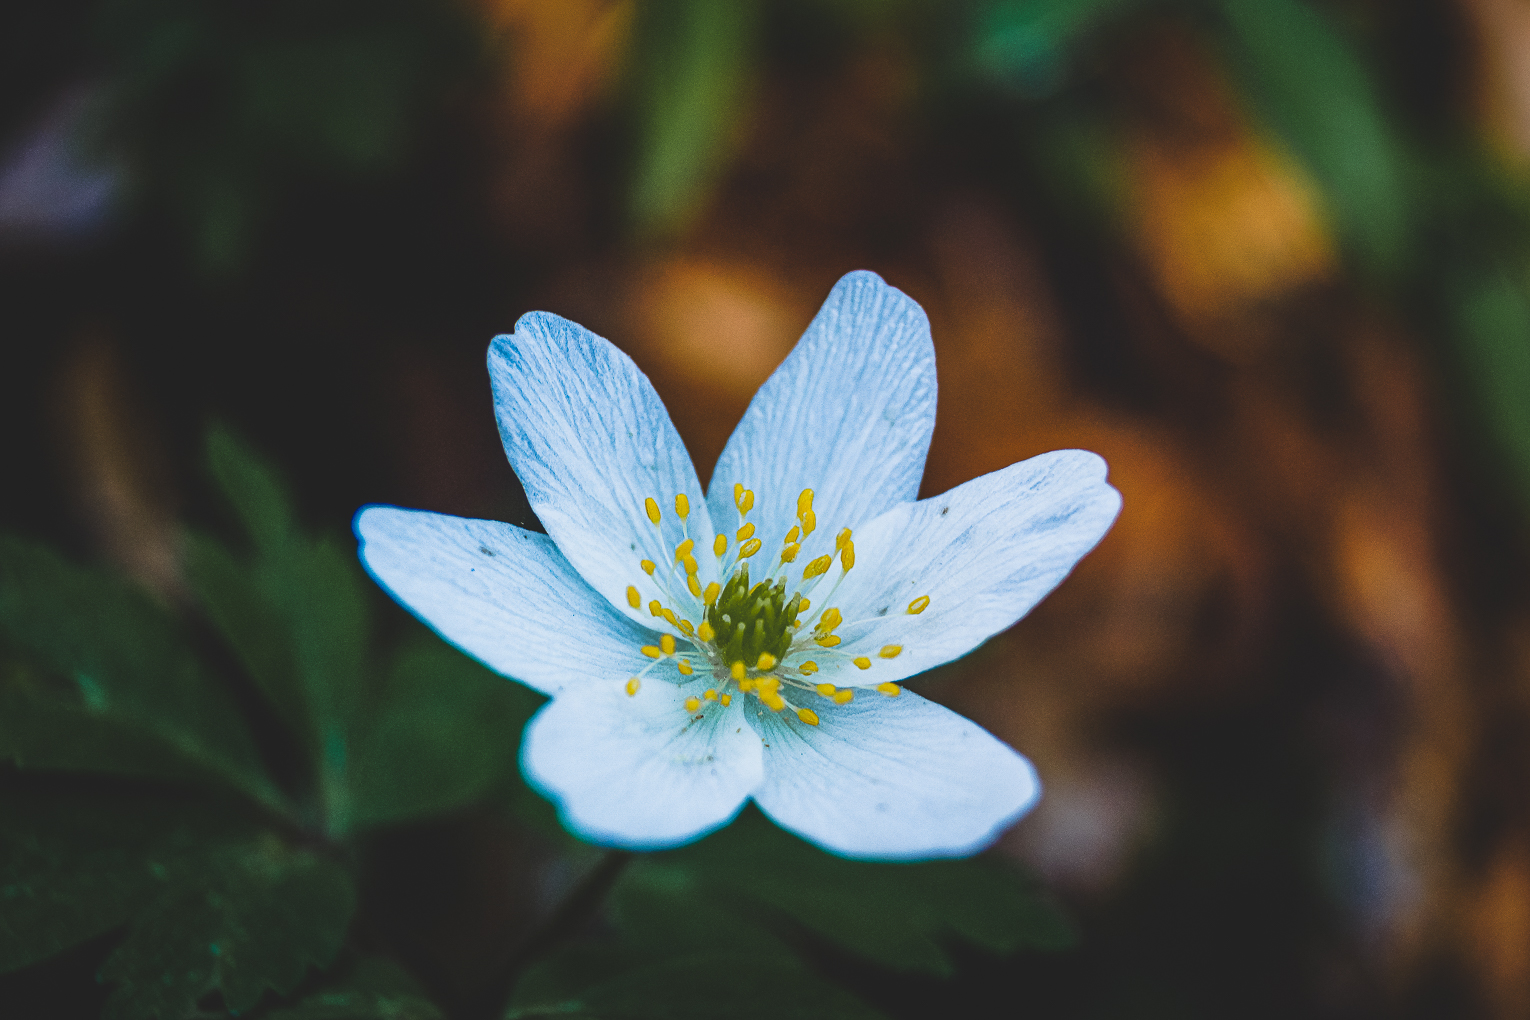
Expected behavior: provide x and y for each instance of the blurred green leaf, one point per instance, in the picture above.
(132, 698)
(254, 490)
(1027, 43)
(74, 865)
(372, 989)
(1316, 94)
(259, 919)
(445, 732)
(737, 984)
(693, 60)
(1493, 330)
(898, 915)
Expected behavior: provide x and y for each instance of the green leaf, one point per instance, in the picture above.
(693, 60)
(1316, 94)
(897, 915)
(738, 985)
(253, 489)
(1027, 42)
(446, 731)
(130, 697)
(258, 920)
(373, 989)
(74, 865)
(1492, 326)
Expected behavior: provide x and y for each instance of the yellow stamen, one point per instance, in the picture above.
(804, 606)
(693, 584)
(841, 538)
(843, 697)
(686, 628)
(690, 564)
(633, 685)
(891, 690)
(809, 522)
(749, 548)
(737, 669)
(685, 667)
(682, 506)
(831, 618)
(745, 533)
(747, 503)
(651, 651)
(719, 545)
(767, 685)
(648, 566)
(847, 556)
(767, 661)
(726, 699)
(773, 701)
(918, 605)
(790, 552)
(827, 641)
(656, 608)
(667, 642)
(684, 548)
(633, 598)
(653, 509)
(705, 632)
(738, 492)
(713, 590)
(809, 668)
(808, 716)
(816, 567)
(827, 690)
(691, 704)
(669, 618)
(861, 662)
(746, 685)
(804, 502)
(792, 536)
(710, 694)
(890, 651)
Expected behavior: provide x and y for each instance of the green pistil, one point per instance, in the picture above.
(749, 621)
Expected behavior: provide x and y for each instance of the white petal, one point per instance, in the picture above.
(848, 414)
(891, 778)
(505, 596)
(591, 442)
(640, 771)
(985, 553)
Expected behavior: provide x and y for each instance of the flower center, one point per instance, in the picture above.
(751, 637)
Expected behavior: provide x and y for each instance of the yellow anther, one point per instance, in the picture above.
(843, 697)
(804, 502)
(705, 631)
(713, 590)
(767, 685)
(633, 685)
(682, 506)
(747, 503)
(773, 701)
(633, 598)
(891, 690)
(831, 618)
(746, 685)
(809, 522)
(804, 606)
(790, 552)
(684, 548)
(685, 667)
(690, 564)
(792, 536)
(919, 605)
(710, 694)
(651, 651)
(745, 533)
(766, 662)
(889, 651)
(827, 690)
(719, 545)
(726, 699)
(827, 641)
(861, 662)
(686, 628)
(841, 538)
(669, 618)
(656, 608)
(648, 566)
(653, 509)
(808, 716)
(808, 668)
(691, 704)
(816, 567)
(667, 642)
(847, 556)
(737, 669)
(738, 492)
(749, 548)
(693, 584)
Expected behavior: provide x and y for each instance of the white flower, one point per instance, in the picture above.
(703, 650)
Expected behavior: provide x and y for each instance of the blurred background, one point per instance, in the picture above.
(1271, 258)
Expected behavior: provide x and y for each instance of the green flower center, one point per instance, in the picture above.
(753, 625)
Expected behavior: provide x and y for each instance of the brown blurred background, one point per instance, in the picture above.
(1271, 260)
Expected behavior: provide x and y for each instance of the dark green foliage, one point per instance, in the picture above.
(372, 989)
